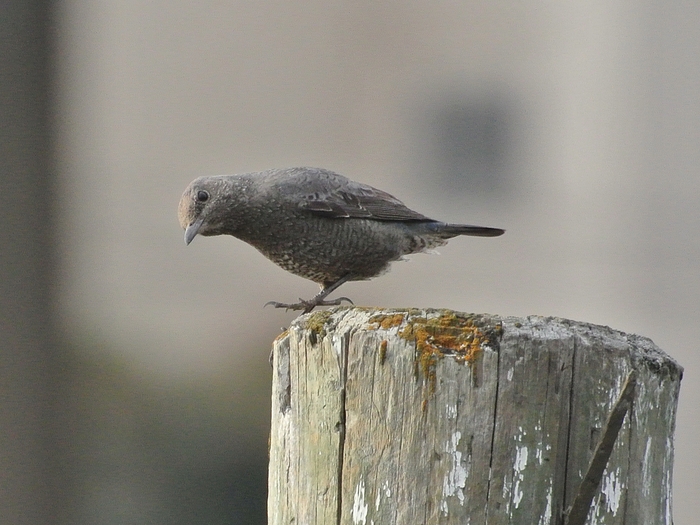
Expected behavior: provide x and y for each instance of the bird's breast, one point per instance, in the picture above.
(324, 250)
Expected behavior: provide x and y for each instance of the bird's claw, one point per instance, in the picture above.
(296, 306)
(308, 305)
(275, 304)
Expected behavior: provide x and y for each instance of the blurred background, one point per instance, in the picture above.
(134, 374)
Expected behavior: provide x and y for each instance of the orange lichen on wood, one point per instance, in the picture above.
(445, 335)
(387, 321)
(382, 351)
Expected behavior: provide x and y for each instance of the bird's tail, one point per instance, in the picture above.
(447, 231)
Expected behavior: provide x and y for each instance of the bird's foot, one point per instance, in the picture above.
(308, 305)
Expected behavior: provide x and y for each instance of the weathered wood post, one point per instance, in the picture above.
(411, 417)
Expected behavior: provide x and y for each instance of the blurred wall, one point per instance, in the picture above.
(27, 339)
(572, 125)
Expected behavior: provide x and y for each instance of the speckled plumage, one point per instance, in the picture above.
(314, 223)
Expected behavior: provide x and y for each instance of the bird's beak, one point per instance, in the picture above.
(192, 230)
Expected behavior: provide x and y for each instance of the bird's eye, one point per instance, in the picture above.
(202, 196)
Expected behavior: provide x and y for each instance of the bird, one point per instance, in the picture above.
(314, 223)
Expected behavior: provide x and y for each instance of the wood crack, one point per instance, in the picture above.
(493, 431)
(342, 418)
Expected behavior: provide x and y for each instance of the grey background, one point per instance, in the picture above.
(574, 125)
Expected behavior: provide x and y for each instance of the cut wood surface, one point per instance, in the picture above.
(433, 416)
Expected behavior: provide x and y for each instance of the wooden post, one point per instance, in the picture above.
(431, 416)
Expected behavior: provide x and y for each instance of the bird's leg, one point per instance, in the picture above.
(316, 300)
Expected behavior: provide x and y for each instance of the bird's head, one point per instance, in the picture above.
(202, 207)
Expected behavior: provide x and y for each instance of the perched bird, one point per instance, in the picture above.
(314, 223)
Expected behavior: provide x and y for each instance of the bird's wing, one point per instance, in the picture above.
(343, 198)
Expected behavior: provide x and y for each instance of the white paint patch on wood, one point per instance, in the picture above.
(359, 506)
